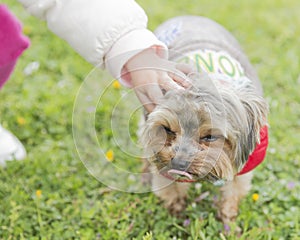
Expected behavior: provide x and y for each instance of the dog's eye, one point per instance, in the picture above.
(209, 138)
(168, 130)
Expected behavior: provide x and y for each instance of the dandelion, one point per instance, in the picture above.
(38, 193)
(21, 121)
(116, 84)
(109, 155)
(255, 197)
(26, 30)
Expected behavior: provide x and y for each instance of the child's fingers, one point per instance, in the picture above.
(185, 68)
(180, 78)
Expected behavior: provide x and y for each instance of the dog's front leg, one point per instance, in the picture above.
(172, 193)
(232, 193)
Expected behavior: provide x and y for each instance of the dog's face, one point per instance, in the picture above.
(204, 133)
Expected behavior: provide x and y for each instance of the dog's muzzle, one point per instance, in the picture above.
(179, 164)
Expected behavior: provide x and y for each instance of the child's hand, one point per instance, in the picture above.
(152, 75)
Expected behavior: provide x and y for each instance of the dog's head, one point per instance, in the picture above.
(205, 132)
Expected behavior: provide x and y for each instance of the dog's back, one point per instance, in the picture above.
(185, 35)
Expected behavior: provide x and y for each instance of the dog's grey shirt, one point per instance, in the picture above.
(208, 46)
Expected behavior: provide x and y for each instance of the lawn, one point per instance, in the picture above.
(53, 195)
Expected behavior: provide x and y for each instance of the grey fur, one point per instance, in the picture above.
(238, 115)
(237, 112)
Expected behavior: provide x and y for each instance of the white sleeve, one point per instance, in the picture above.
(106, 32)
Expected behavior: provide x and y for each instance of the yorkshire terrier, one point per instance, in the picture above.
(216, 130)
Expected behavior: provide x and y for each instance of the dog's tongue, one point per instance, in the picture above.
(182, 173)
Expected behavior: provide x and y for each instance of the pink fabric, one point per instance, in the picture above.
(12, 43)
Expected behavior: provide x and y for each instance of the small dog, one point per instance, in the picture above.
(215, 130)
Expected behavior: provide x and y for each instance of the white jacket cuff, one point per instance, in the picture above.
(128, 46)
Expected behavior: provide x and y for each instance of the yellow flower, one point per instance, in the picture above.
(21, 121)
(38, 193)
(26, 30)
(116, 84)
(109, 155)
(255, 197)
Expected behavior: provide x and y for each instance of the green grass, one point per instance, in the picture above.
(74, 205)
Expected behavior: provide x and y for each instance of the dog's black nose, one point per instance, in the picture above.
(179, 164)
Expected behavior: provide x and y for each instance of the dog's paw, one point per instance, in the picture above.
(228, 211)
(228, 214)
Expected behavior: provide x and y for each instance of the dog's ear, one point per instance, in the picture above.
(152, 134)
(256, 109)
